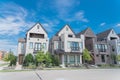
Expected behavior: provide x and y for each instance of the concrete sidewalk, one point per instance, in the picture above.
(83, 74)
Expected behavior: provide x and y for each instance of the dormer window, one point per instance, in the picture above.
(70, 35)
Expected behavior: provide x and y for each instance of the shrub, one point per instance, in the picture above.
(28, 60)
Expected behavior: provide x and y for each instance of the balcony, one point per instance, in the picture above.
(75, 49)
(35, 35)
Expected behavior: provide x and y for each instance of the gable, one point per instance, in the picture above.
(37, 28)
(89, 33)
(112, 34)
(65, 30)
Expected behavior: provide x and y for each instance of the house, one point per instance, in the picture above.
(36, 39)
(99, 50)
(89, 40)
(113, 43)
(67, 46)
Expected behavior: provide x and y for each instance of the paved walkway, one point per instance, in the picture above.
(83, 74)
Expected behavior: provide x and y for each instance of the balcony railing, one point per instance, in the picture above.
(75, 48)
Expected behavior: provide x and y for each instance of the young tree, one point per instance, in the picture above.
(13, 59)
(29, 59)
(55, 60)
(10, 57)
(6, 57)
(86, 56)
(48, 59)
(118, 57)
(40, 57)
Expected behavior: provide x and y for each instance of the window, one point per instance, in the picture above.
(62, 45)
(44, 45)
(75, 46)
(65, 58)
(72, 59)
(31, 45)
(22, 48)
(70, 36)
(102, 47)
(69, 44)
(37, 46)
(81, 45)
(56, 45)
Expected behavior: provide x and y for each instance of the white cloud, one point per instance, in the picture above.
(78, 16)
(63, 6)
(12, 19)
(7, 45)
(102, 24)
(118, 25)
(65, 9)
(49, 25)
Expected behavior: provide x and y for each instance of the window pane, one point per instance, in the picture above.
(44, 45)
(31, 45)
(68, 44)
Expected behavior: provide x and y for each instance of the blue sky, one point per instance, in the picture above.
(17, 16)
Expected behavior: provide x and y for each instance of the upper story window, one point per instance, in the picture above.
(73, 45)
(56, 45)
(31, 45)
(102, 47)
(81, 45)
(68, 44)
(22, 46)
(70, 35)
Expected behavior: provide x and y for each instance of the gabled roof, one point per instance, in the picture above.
(104, 33)
(119, 35)
(55, 38)
(87, 32)
(63, 28)
(36, 24)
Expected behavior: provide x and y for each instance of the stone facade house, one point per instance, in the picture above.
(67, 46)
(36, 39)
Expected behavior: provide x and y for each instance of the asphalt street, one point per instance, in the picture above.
(83, 74)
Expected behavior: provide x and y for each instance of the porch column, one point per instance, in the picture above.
(63, 64)
(80, 59)
(75, 59)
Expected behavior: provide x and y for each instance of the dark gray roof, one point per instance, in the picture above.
(104, 34)
(87, 32)
(82, 32)
(119, 35)
(21, 40)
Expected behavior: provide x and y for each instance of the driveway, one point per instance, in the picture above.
(83, 74)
